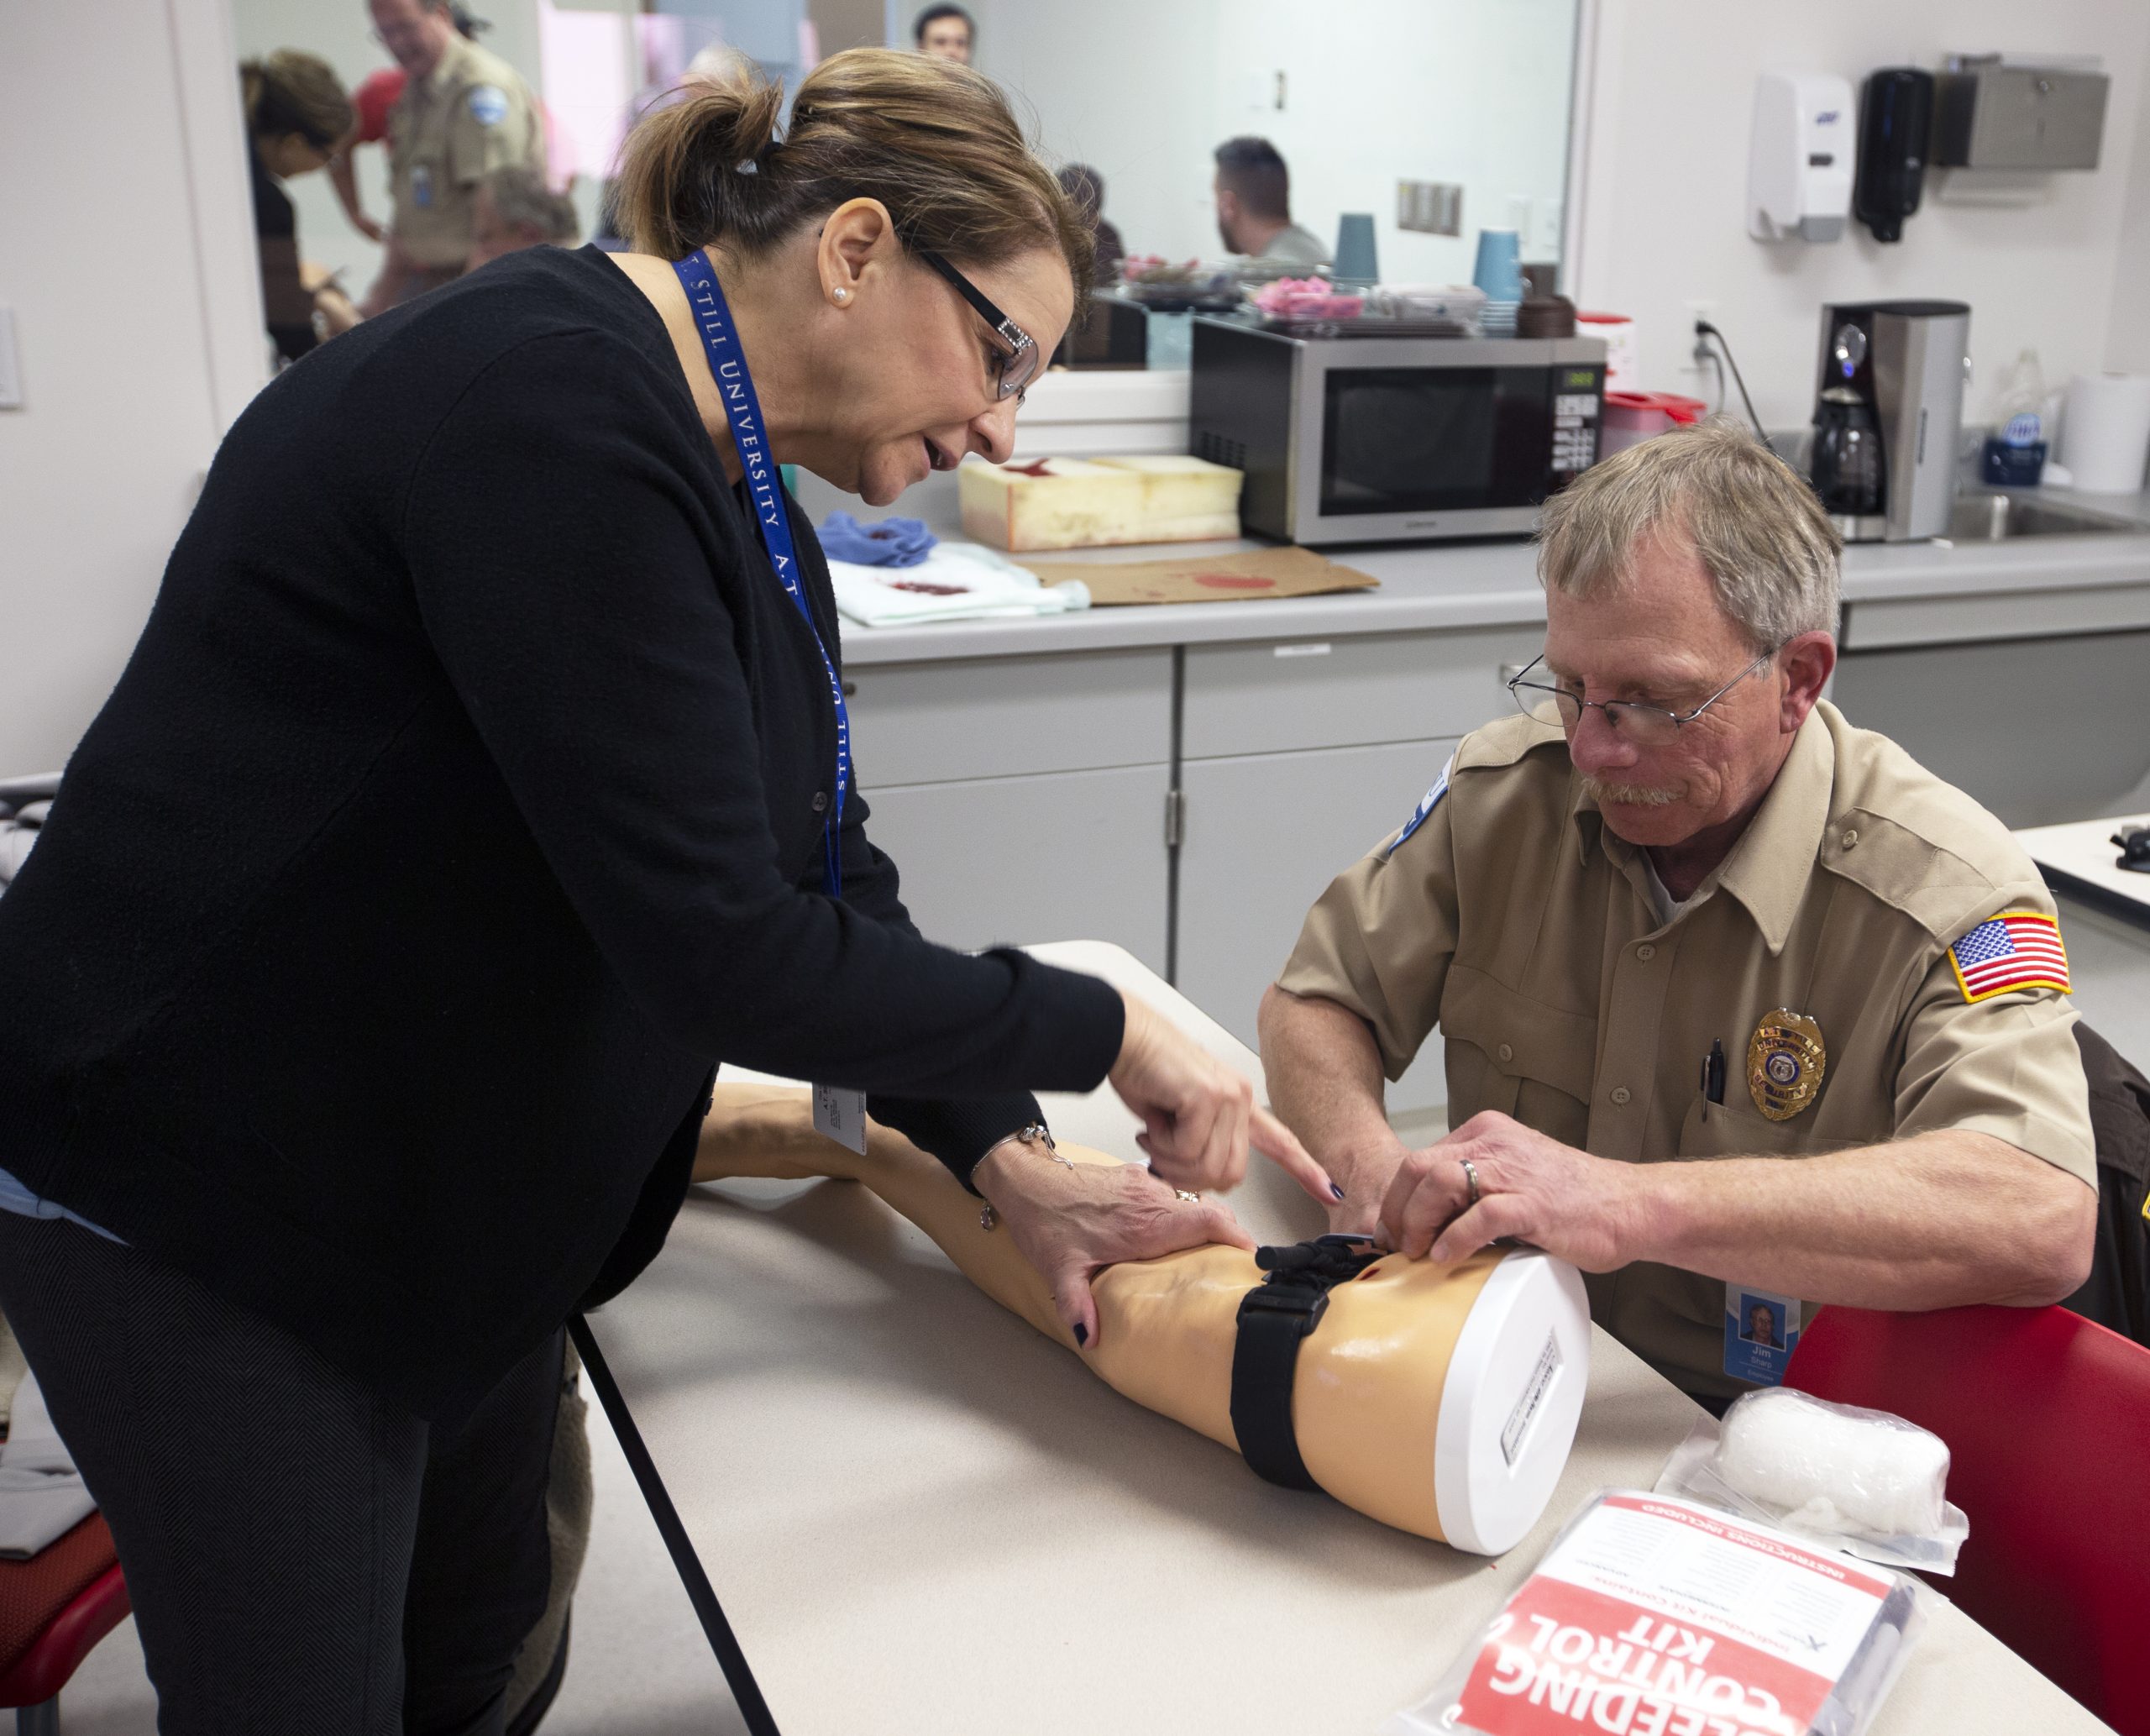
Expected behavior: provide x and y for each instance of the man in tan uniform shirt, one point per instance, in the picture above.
(1590, 914)
(464, 113)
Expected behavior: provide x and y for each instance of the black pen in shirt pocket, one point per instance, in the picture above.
(1713, 1073)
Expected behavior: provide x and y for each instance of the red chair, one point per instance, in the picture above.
(2047, 1416)
(54, 1608)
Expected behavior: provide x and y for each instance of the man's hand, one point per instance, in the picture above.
(1530, 1188)
(1071, 1222)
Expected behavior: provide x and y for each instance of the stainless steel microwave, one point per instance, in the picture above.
(1393, 439)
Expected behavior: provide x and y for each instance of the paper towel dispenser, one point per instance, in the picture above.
(1993, 113)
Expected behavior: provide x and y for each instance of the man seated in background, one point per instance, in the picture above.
(947, 33)
(515, 209)
(1253, 190)
(1086, 188)
(1680, 909)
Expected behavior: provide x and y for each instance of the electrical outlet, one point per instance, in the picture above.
(1429, 207)
(1698, 348)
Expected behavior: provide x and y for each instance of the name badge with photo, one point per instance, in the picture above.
(1760, 1329)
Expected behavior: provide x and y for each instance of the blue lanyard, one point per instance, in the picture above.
(727, 366)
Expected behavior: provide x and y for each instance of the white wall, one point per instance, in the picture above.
(126, 254)
(1376, 91)
(1666, 162)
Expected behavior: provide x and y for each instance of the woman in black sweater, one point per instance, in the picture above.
(455, 817)
(296, 115)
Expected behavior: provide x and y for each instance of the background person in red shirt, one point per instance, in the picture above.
(373, 99)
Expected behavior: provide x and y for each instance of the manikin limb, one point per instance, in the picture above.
(1367, 1397)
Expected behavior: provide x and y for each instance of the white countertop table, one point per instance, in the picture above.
(2080, 860)
(922, 1517)
(2105, 923)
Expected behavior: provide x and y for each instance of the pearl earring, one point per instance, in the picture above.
(843, 295)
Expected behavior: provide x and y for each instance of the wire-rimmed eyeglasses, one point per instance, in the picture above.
(1647, 726)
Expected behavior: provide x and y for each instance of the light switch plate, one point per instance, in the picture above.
(10, 368)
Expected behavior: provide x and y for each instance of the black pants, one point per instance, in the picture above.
(301, 1554)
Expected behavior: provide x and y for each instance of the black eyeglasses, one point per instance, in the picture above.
(1646, 726)
(1015, 368)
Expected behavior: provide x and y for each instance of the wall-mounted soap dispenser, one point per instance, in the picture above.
(1799, 158)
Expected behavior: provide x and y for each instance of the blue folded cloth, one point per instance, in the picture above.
(892, 543)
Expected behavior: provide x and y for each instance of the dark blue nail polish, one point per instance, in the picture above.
(1082, 1333)
(1336, 1190)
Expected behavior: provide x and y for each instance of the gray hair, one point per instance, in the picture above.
(1770, 549)
(521, 200)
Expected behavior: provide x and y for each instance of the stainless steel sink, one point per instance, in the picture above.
(1985, 516)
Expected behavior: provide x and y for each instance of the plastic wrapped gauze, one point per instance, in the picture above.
(1832, 1468)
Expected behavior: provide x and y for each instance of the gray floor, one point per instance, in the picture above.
(639, 1666)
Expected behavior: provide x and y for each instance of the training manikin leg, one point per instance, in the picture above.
(1439, 1400)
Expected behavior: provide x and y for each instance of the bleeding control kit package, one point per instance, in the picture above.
(1655, 1616)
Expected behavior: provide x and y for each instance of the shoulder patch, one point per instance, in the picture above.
(2017, 949)
(1427, 803)
(488, 104)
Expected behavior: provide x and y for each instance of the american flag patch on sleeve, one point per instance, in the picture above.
(2017, 949)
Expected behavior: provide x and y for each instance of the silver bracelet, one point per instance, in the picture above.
(1032, 1135)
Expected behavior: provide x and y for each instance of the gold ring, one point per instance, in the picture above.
(1470, 1175)
(1191, 1199)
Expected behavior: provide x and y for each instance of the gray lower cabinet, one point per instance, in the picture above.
(1289, 695)
(1024, 797)
(1010, 716)
(1056, 856)
(1263, 835)
(2039, 731)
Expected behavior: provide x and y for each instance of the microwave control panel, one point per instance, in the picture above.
(1578, 397)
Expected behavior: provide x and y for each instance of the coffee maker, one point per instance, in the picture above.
(1904, 364)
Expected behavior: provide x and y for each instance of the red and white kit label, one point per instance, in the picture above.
(1655, 1617)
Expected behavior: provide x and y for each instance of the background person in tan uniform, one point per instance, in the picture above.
(1589, 907)
(463, 112)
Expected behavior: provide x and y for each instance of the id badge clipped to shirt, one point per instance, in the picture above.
(1760, 1331)
(840, 1115)
(421, 186)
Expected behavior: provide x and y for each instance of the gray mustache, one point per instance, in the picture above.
(1632, 795)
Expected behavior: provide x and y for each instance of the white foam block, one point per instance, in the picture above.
(1088, 503)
